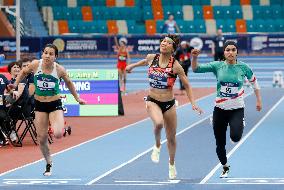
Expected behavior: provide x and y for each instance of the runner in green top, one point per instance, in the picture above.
(48, 105)
(229, 103)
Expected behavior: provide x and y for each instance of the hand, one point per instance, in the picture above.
(129, 68)
(16, 95)
(258, 105)
(81, 101)
(195, 53)
(11, 87)
(197, 109)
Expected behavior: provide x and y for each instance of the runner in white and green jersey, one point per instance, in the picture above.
(48, 105)
(229, 102)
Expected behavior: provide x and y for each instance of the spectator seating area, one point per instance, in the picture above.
(148, 16)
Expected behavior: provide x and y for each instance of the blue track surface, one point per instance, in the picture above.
(121, 159)
(262, 66)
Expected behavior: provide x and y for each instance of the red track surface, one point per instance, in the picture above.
(85, 128)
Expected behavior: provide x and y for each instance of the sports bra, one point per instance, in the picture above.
(161, 78)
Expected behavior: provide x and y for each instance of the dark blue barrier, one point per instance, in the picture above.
(103, 45)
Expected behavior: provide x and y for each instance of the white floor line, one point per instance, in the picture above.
(145, 152)
(241, 141)
(41, 179)
(117, 130)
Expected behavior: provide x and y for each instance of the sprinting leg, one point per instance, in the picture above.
(236, 123)
(220, 124)
(41, 123)
(170, 118)
(156, 115)
(57, 122)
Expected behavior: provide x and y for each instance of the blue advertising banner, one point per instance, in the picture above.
(31, 45)
(267, 43)
(92, 46)
(75, 44)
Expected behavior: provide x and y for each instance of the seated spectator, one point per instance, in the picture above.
(3, 111)
(21, 93)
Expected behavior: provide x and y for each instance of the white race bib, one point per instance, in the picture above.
(229, 89)
(45, 85)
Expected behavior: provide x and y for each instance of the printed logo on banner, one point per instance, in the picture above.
(60, 44)
(148, 44)
(258, 42)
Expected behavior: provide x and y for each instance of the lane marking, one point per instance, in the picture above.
(41, 179)
(210, 174)
(150, 149)
(147, 181)
(145, 152)
(50, 181)
(99, 137)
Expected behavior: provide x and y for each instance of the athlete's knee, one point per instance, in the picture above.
(158, 126)
(58, 134)
(220, 148)
(42, 139)
(171, 140)
(235, 138)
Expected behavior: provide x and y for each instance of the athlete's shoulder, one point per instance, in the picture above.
(217, 63)
(34, 64)
(150, 56)
(243, 65)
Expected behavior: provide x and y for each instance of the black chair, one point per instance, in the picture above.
(21, 113)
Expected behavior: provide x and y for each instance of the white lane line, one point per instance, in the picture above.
(241, 141)
(147, 181)
(131, 184)
(148, 150)
(145, 152)
(97, 138)
(42, 179)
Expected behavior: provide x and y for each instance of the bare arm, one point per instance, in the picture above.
(116, 42)
(177, 28)
(31, 89)
(194, 55)
(23, 73)
(258, 100)
(143, 62)
(70, 85)
(180, 72)
(128, 57)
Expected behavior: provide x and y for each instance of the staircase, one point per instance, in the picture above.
(30, 14)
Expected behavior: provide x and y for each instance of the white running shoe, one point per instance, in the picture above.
(225, 172)
(48, 170)
(13, 136)
(155, 156)
(172, 171)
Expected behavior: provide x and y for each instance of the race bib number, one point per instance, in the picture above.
(122, 58)
(45, 85)
(229, 89)
(221, 44)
